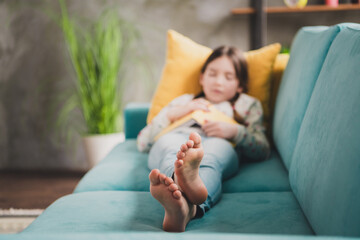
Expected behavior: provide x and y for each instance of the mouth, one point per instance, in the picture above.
(217, 91)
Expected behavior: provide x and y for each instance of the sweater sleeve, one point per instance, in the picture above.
(145, 138)
(251, 141)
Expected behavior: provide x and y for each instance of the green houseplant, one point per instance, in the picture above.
(97, 54)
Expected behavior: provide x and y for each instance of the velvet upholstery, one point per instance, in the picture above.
(126, 169)
(268, 175)
(135, 118)
(114, 211)
(308, 52)
(162, 235)
(325, 171)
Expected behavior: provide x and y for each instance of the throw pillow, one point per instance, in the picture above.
(183, 63)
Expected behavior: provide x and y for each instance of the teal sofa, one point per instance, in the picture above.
(308, 188)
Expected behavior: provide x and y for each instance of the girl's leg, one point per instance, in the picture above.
(219, 163)
(163, 153)
(202, 167)
(178, 210)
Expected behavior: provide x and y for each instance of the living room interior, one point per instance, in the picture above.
(47, 144)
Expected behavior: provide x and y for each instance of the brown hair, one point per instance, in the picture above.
(241, 70)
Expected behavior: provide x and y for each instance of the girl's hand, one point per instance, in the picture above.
(220, 129)
(198, 104)
(178, 112)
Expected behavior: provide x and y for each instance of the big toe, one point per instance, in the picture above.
(195, 137)
(154, 177)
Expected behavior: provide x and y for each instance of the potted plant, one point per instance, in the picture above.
(97, 54)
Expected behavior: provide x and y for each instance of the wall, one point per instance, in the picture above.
(35, 69)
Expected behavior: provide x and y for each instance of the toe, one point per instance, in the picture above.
(154, 177)
(173, 187)
(177, 194)
(162, 178)
(180, 155)
(194, 136)
(184, 147)
(168, 181)
(178, 163)
(190, 143)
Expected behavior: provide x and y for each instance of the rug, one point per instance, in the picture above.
(15, 220)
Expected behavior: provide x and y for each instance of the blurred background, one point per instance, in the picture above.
(35, 67)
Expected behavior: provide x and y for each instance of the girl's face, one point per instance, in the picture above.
(219, 80)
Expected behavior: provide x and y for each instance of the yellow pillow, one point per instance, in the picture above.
(182, 71)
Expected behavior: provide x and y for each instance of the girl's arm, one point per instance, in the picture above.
(250, 140)
(146, 136)
(176, 112)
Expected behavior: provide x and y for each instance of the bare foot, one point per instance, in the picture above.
(178, 211)
(187, 170)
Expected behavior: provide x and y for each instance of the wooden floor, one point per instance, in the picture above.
(35, 190)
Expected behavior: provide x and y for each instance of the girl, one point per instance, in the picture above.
(187, 182)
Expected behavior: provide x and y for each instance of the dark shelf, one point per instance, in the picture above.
(258, 13)
(310, 8)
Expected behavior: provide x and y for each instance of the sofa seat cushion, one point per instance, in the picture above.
(126, 169)
(118, 211)
(268, 175)
(161, 235)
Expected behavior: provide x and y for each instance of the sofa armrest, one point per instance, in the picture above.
(135, 115)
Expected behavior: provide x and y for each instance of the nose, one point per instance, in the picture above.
(219, 80)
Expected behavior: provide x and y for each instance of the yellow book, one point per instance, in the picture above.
(197, 117)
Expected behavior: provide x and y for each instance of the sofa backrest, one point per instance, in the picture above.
(308, 52)
(135, 115)
(325, 169)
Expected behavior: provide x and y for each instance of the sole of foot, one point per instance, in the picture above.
(178, 211)
(187, 170)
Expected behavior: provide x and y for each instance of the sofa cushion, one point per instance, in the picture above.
(257, 212)
(114, 211)
(268, 175)
(161, 235)
(308, 52)
(126, 169)
(325, 171)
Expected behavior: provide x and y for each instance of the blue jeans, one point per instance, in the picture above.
(219, 163)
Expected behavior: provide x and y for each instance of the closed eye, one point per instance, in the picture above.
(212, 73)
(230, 76)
